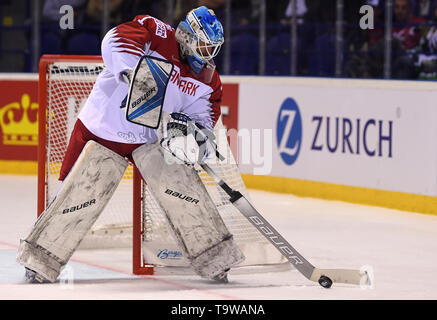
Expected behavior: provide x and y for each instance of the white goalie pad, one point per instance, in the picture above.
(81, 198)
(198, 228)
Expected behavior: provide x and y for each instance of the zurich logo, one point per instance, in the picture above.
(289, 131)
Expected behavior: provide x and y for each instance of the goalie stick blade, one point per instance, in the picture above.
(348, 276)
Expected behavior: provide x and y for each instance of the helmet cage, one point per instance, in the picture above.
(201, 39)
(205, 48)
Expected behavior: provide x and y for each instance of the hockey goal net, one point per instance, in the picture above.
(132, 218)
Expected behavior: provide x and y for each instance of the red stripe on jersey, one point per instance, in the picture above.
(216, 98)
(132, 33)
(132, 48)
(128, 43)
(132, 52)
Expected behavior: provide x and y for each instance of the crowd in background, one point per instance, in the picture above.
(414, 44)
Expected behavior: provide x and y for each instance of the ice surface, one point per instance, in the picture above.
(400, 247)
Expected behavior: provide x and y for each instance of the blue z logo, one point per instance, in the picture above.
(289, 131)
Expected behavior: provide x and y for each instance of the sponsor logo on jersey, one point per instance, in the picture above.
(128, 136)
(80, 206)
(160, 29)
(289, 131)
(160, 26)
(185, 86)
(181, 196)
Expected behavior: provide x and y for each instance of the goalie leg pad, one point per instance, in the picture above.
(78, 203)
(216, 260)
(198, 228)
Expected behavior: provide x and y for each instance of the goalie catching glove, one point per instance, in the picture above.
(186, 141)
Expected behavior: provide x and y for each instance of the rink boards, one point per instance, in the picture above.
(364, 141)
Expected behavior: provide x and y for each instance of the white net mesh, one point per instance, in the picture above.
(68, 86)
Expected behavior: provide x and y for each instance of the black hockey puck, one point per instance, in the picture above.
(325, 282)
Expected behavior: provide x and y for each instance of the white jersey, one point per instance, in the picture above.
(122, 47)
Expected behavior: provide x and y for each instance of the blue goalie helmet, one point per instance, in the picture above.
(200, 36)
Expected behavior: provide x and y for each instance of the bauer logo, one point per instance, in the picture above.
(79, 207)
(181, 196)
(289, 131)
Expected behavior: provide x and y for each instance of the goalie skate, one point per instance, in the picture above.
(222, 277)
(31, 276)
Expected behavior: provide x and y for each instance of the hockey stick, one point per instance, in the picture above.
(325, 277)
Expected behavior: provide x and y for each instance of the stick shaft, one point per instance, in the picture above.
(263, 226)
(310, 272)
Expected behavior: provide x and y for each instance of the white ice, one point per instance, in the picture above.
(400, 247)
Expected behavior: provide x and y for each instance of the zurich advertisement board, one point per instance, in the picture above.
(355, 133)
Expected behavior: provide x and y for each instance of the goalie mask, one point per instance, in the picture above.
(201, 37)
